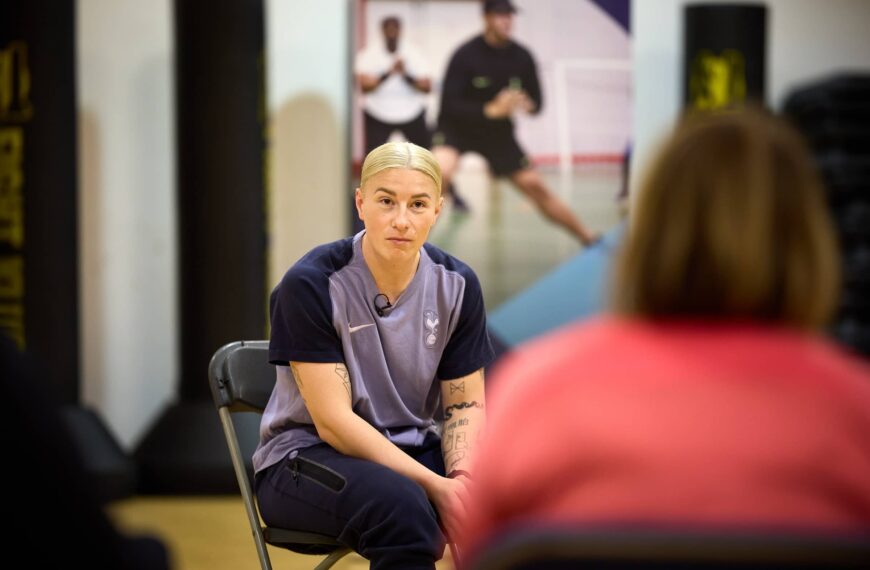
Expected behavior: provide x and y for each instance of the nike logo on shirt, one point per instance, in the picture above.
(352, 330)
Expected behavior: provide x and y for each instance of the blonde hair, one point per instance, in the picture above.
(731, 223)
(401, 155)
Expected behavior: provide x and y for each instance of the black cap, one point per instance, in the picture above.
(499, 6)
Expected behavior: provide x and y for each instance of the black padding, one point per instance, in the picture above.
(221, 129)
(854, 222)
(186, 453)
(112, 470)
(834, 116)
(50, 492)
(612, 547)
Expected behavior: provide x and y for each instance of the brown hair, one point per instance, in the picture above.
(730, 223)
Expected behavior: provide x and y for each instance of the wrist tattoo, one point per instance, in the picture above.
(458, 472)
(453, 459)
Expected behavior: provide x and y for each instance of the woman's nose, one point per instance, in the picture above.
(400, 221)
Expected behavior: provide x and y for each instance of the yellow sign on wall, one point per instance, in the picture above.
(15, 84)
(717, 81)
(15, 109)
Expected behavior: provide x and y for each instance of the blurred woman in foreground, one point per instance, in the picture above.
(708, 399)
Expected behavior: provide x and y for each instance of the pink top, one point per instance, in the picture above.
(680, 423)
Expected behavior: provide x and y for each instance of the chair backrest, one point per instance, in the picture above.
(241, 380)
(240, 376)
(525, 548)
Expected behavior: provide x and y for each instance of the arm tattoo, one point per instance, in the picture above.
(296, 375)
(457, 387)
(341, 372)
(453, 459)
(298, 378)
(448, 411)
(461, 441)
(448, 441)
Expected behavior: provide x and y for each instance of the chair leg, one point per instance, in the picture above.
(262, 553)
(245, 487)
(333, 557)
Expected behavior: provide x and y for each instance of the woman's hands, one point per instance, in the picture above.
(450, 497)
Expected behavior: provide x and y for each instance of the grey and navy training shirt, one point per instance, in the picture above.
(323, 311)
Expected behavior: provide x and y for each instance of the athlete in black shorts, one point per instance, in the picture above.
(488, 80)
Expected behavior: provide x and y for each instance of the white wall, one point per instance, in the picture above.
(308, 81)
(129, 306)
(129, 323)
(806, 40)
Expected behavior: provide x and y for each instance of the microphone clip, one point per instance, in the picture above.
(379, 309)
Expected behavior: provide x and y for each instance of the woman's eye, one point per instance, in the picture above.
(385, 201)
(418, 204)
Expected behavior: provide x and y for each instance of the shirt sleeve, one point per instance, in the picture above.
(469, 347)
(301, 316)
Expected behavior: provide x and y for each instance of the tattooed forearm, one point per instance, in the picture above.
(341, 372)
(448, 411)
(461, 427)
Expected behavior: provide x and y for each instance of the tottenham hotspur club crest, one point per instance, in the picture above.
(430, 334)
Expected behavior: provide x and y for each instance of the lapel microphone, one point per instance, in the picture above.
(379, 309)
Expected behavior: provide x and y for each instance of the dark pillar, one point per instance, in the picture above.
(724, 55)
(38, 237)
(38, 221)
(220, 102)
(221, 126)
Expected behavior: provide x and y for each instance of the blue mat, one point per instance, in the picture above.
(573, 291)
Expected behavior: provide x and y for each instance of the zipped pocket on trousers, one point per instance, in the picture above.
(318, 473)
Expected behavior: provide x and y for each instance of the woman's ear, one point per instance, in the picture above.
(358, 200)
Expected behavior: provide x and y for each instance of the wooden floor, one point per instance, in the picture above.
(507, 242)
(212, 533)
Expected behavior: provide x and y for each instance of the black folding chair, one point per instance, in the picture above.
(241, 380)
(527, 548)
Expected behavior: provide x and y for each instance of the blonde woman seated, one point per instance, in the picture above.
(376, 338)
(709, 398)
